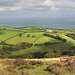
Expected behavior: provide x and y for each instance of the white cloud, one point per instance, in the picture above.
(48, 3)
(35, 6)
(2, 9)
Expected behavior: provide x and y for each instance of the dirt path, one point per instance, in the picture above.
(42, 59)
(50, 59)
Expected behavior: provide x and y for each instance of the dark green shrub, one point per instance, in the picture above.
(36, 63)
(64, 40)
(48, 43)
(33, 36)
(51, 55)
(20, 34)
(3, 42)
(4, 28)
(28, 35)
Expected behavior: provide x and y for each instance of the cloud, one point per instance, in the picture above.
(36, 6)
(8, 3)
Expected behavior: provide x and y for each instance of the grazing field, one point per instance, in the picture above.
(55, 47)
(24, 38)
(16, 42)
(33, 28)
(5, 34)
(44, 39)
(17, 39)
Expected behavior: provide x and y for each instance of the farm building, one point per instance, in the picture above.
(49, 31)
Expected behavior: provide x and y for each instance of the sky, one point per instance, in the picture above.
(20, 7)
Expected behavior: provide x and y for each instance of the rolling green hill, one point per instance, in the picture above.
(18, 42)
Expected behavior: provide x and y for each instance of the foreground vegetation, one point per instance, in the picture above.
(62, 66)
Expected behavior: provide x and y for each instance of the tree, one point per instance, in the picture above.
(4, 28)
(23, 45)
(64, 40)
(48, 43)
(3, 42)
(33, 36)
(5, 47)
(28, 35)
(49, 55)
(20, 34)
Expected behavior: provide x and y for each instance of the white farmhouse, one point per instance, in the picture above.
(49, 31)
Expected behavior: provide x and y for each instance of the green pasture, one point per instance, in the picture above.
(60, 31)
(44, 39)
(19, 30)
(38, 39)
(24, 38)
(69, 40)
(1, 46)
(33, 28)
(37, 34)
(55, 47)
(17, 39)
(5, 34)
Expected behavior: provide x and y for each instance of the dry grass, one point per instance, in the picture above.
(42, 59)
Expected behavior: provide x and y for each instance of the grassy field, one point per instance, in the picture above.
(5, 34)
(44, 39)
(17, 39)
(11, 36)
(33, 28)
(24, 38)
(55, 47)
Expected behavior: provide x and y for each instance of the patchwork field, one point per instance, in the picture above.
(35, 36)
(5, 34)
(44, 39)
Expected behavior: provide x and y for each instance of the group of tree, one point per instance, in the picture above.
(47, 43)
(55, 37)
(28, 35)
(9, 48)
(50, 54)
(71, 35)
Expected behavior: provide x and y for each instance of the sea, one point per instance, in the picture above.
(56, 21)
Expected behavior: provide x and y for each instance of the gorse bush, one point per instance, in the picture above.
(19, 62)
(65, 65)
(51, 55)
(36, 63)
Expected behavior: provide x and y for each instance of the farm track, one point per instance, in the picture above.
(42, 59)
(38, 38)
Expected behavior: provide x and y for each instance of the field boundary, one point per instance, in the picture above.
(14, 36)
